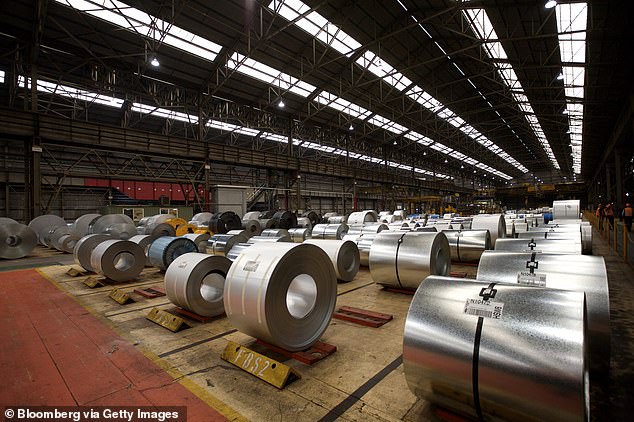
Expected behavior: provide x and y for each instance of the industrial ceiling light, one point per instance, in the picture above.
(445, 160)
(395, 142)
(351, 127)
(154, 62)
(560, 77)
(565, 111)
(550, 4)
(461, 166)
(568, 131)
(281, 103)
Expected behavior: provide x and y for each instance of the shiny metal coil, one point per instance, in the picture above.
(51, 239)
(283, 295)
(84, 247)
(284, 220)
(298, 235)
(199, 239)
(144, 241)
(201, 219)
(164, 250)
(81, 226)
(520, 226)
(577, 273)
(364, 243)
(268, 239)
(404, 259)
(510, 228)
(118, 260)
(337, 219)
(221, 244)
(362, 217)
(42, 224)
(16, 240)
(236, 250)
(330, 231)
(251, 215)
(275, 233)
(119, 226)
(313, 216)
(400, 214)
(387, 219)
(567, 209)
(468, 245)
(304, 222)
(527, 365)
(196, 282)
(561, 246)
(252, 227)
(240, 232)
(344, 255)
(222, 222)
(266, 223)
(494, 223)
(267, 215)
(67, 242)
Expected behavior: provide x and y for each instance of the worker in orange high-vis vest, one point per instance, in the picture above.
(627, 216)
(608, 211)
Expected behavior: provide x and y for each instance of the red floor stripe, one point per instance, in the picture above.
(54, 352)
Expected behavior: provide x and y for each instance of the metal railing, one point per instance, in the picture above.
(620, 242)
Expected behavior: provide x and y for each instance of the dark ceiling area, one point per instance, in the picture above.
(430, 42)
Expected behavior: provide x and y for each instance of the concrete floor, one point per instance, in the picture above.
(362, 381)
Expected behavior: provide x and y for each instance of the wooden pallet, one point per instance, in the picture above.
(310, 356)
(362, 316)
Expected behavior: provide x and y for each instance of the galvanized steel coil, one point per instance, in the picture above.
(284, 220)
(84, 247)
(221, 244)
(468, 245)
(337, 219)
(67, 242)
(201, 219)
(275, 233)
(330, 231)
(283, 295)
(81, 226)
(236, 250)
(16, 240)
(362, 217)
(298, 235)
(404, 259)
(196, 281)
(252, 227)
(266, 223)
(222, 222)
(51, 239)
(119, 226)
(313, 216)
(578, 273)
(164, 250)
(304, 222)
(560, 246)
(566, 209)
(118, 260)
(497, 352)
(344, 255)
(144, 241)
(251, 215)
(42, 224)
(199, 239)
(268, 239)
(494, 223)
(510, 228)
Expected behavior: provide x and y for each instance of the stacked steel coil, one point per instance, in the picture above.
(222, 222)
(82, 251)
(166, 249)
(284, 220)
(494, 223)
(119, 226)
(117, 260)
(343, 254)
(468, 245)
(330, 231)
(16, 240)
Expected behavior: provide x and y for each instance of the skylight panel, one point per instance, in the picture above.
(383, 70)
(228, 127)
(135, 20)
(342, 105)
(72, 93)
(417, 137)
(1, 76)
(164, 113)
(387, 124)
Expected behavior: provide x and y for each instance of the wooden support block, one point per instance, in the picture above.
(120, 296)
(313, 354)
(396, 290)
(263, 367)
(362, 316)
(458, 274)
(195, 316)
(165, 319)
(93, 282)
(151, 292)
(75, 272)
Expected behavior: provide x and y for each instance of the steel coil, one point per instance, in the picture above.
(364, 243)
(244, 233)
(566, 272)
(51, 238)
(268, 239)
(266, 223)
(404, 259)
(199, 239)
(118, 260)
(284, 295)
(494, 223)
(267, 215)
(343, 254)
(314, 217)
(298, 235)
(252, 227)
(252, 215)
(510, 228)
(201, 219)
(84, 247)
(520, 227)
(560, 246)
(284, 220)
(164, 250)
(304, 222)
(119, 226)
(468, 245)
(567, 209)
(16, 240)
(144, 241)
(221, 244)
(81, 226)
(161, 229)
(337, 219)
(330, 231)
(275, 233)
(517, 355)
(362, 217)
(222, 222)
(67, 242)
(42, 224)
(196, 281)
(181, 226)
(236, 250)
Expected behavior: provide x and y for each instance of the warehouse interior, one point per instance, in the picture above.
(430, 173)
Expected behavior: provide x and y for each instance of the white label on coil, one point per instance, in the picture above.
(251, 266)
(484, 308)
(531, 279)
